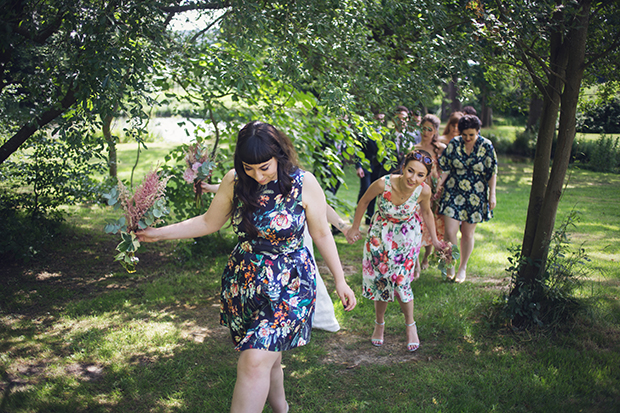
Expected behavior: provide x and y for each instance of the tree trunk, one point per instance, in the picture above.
(576, 38)
(536, 104)
(455, 104)
(445, 111)
(567, 55)
(111, 141)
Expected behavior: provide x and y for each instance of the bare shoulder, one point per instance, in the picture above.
(380, 183)
(426, 191)
(228, 183)
(308, 177)
(311, 191)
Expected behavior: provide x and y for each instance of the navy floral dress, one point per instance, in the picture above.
(466, 191)
(268, 285)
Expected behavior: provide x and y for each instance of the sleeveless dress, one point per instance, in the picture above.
(466, 191)
(268, 286)
(392, 247)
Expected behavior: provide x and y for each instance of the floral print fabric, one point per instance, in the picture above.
(392, 247)
(466, 191)
(268, 286)
(440, 226)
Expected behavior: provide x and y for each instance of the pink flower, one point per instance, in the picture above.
(189, 175)
(151, 190)
(281, 220)
(383, 268)
(195, 166)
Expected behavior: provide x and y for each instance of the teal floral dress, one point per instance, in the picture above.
(466, 191)
(268, 286)
(392, 247)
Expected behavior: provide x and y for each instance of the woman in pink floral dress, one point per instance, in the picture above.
(394, 239)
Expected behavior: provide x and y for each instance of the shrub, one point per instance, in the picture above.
(524, 144)
(500, 143)
(600, 118)
(601, 155)
(24, 233)
(549, 300)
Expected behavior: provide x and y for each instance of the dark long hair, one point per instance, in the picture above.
(258, 142)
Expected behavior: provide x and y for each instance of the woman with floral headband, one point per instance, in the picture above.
(469, 166)
(393, 241)
(268, 286)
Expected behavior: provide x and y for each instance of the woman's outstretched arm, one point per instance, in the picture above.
(376, 188)
(211, 221)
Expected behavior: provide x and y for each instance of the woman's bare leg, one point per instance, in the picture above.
(427, 252)
(377, 334)
(450, 235)
(255, 377)
(411, 329)
(467, 246)
(277, 397)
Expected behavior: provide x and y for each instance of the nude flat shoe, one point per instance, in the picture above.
(460, 279)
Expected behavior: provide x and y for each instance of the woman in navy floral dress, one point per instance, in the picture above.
(469, 166)
(268, 286)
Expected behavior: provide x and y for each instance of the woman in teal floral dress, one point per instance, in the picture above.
(394, 240)
(469, 166)
(268, 286)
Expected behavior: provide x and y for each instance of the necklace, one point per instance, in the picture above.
(405, 196)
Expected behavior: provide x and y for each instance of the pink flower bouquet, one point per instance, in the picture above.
(200, 164)
(446, 257)
(144, 208)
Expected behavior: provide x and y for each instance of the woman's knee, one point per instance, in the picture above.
(257, 363)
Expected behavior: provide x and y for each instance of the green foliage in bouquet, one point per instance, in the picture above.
(445, 258)
(145, 208)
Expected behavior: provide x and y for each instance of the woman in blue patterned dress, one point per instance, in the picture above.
(268, 286)
(394, 240)
(468, 182)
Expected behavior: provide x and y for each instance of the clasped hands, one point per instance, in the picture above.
(353, 235)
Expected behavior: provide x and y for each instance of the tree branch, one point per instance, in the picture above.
(206, 29)
(604, 53)
(216, 5)
(28, 130)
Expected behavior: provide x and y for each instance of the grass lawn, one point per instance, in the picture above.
(80, 334)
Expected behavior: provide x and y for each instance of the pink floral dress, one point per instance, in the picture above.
(392, 247)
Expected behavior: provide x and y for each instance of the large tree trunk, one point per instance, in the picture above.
(450, 103)
(566, 134)
(568, 54)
